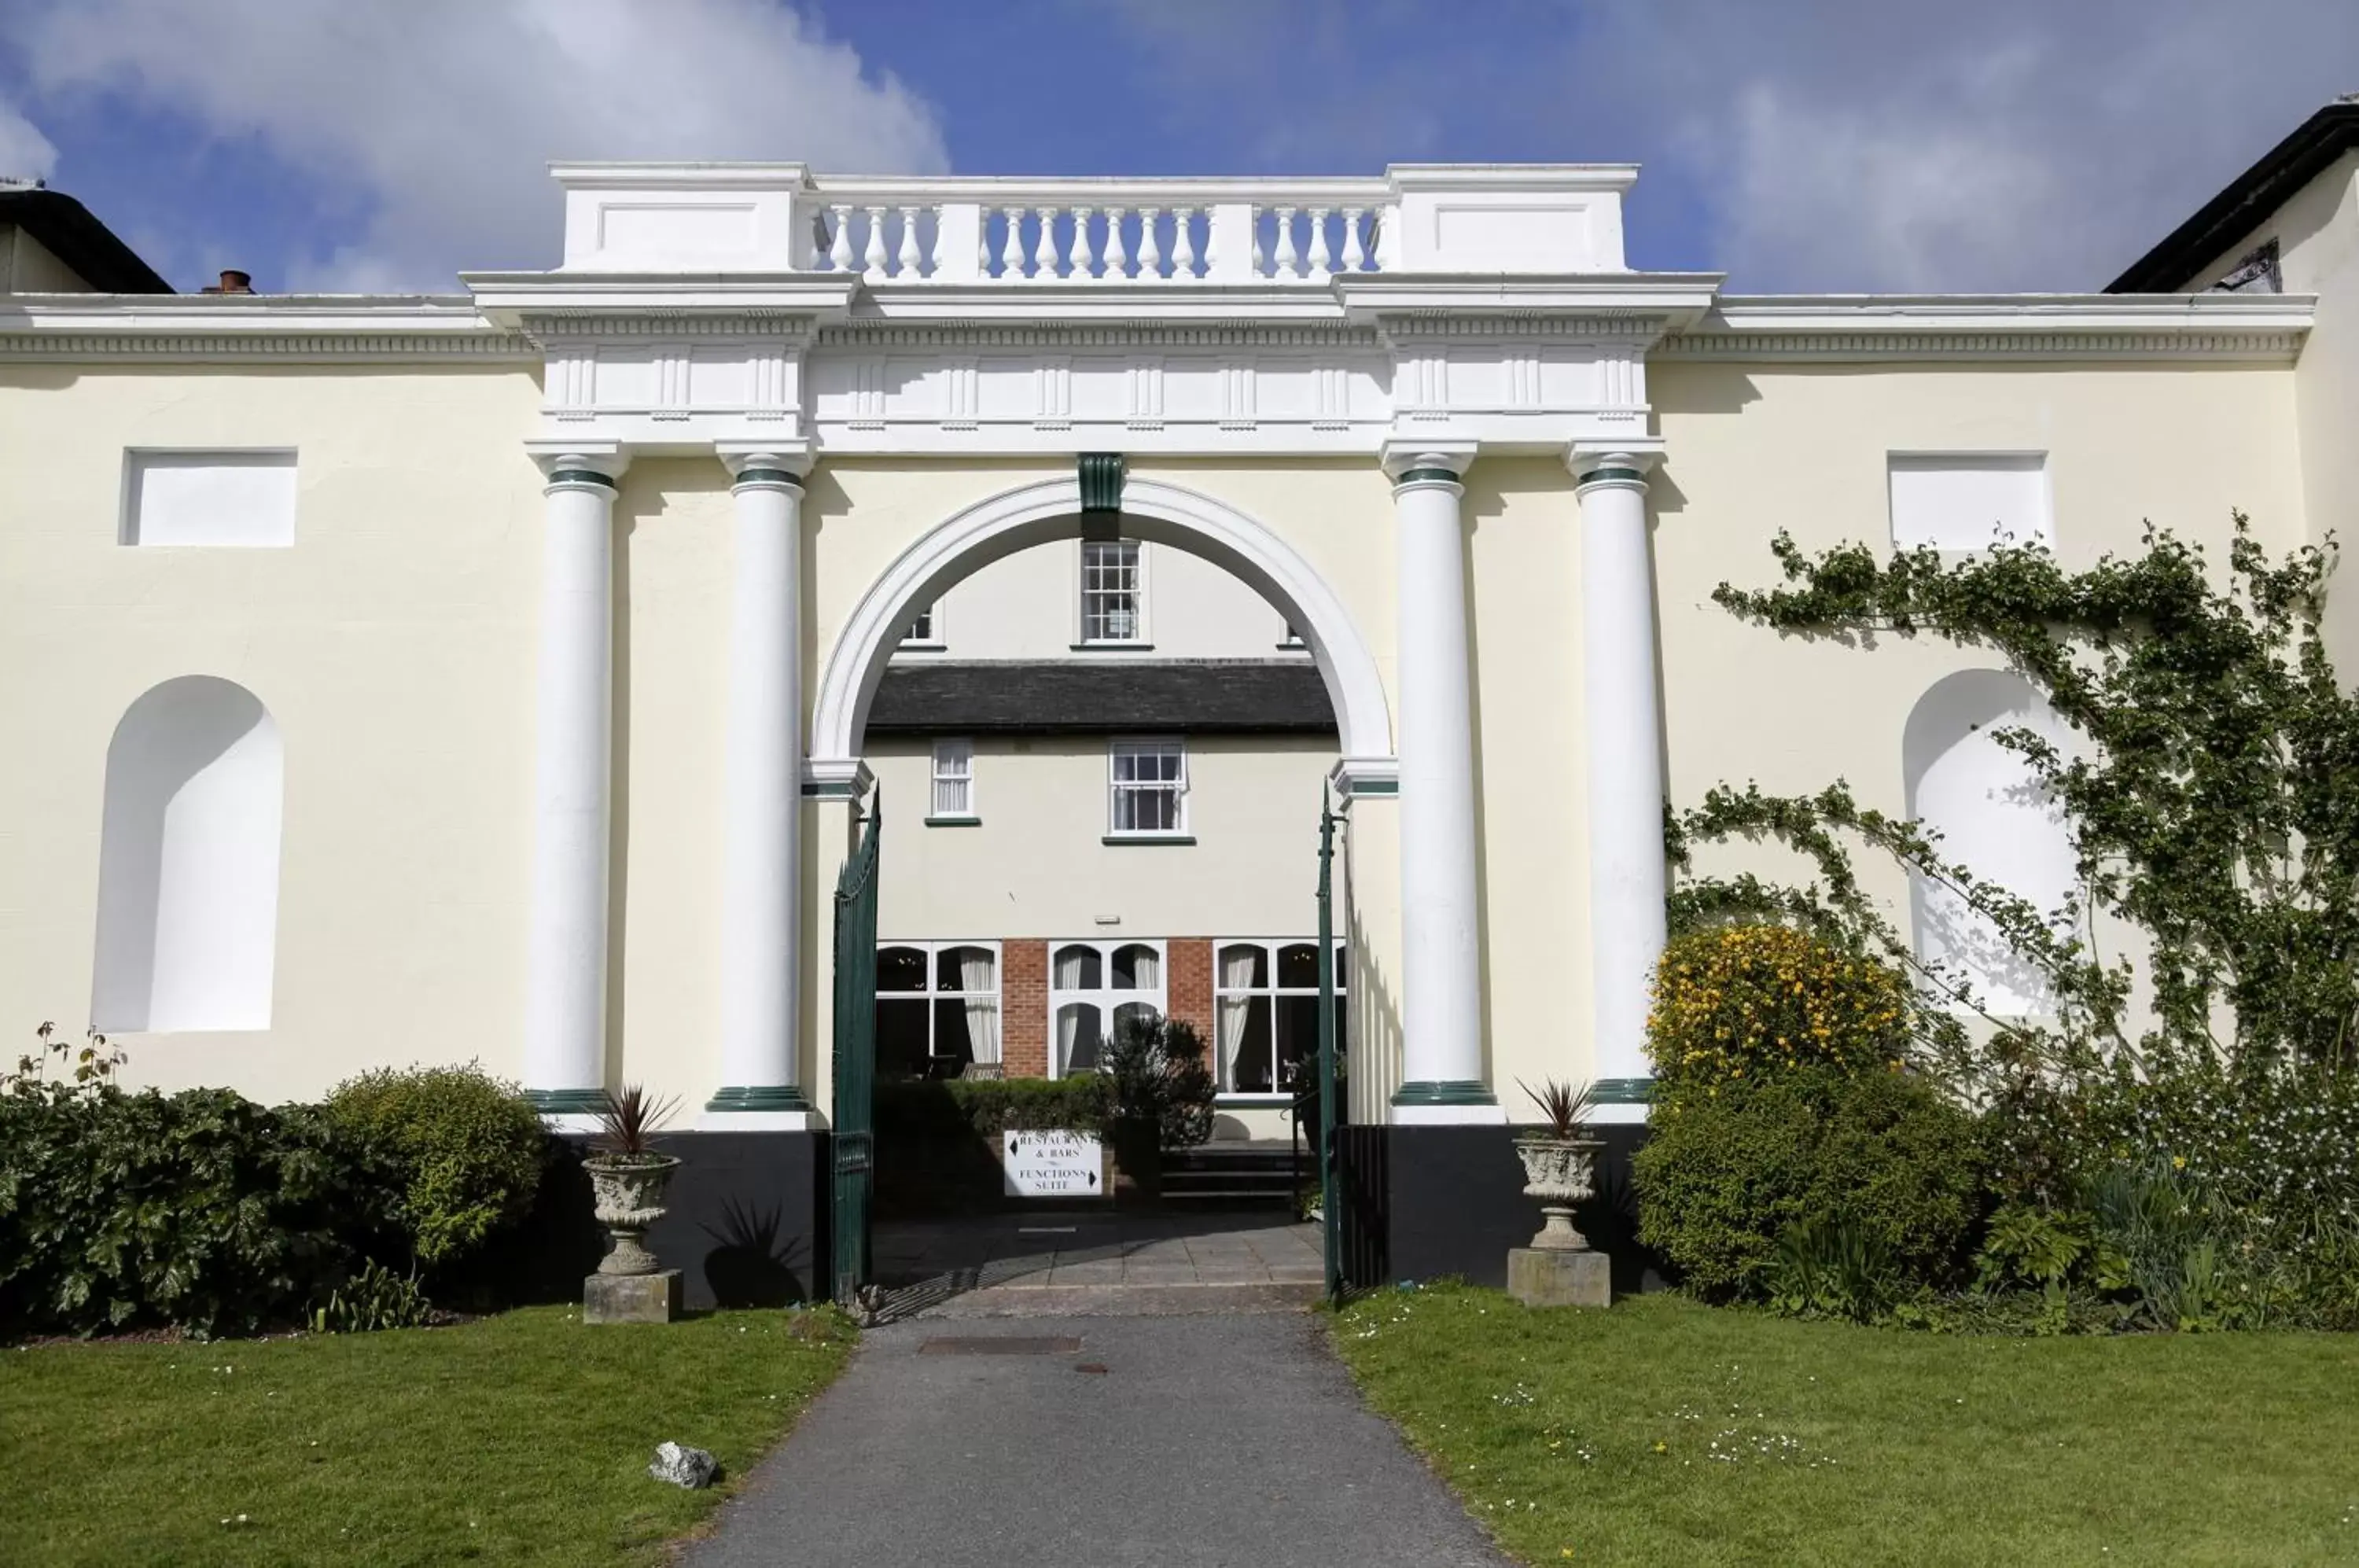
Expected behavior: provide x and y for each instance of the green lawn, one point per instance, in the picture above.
(1664, 1432)
(520, 1439)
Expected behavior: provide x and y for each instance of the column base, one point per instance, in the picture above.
(567, 1101)
(1447, 1101)
(759, 1097)
(1621, 1102)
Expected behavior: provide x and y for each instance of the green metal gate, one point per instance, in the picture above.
(856, 1055)
(1331, 1110)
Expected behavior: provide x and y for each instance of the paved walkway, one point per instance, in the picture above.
(1097, 1261)
(1208, 1441)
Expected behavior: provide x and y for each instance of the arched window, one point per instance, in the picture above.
(1995, 818)
(187, 865)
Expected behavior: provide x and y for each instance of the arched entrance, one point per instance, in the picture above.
(1028, 517)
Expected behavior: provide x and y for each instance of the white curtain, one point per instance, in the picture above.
(1073, 965)
(1237, 970)
(1077, 1038)
(1145, 965)
(982, 1005)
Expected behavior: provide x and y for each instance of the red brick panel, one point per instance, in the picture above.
(1024, 1007)
(1190, 994)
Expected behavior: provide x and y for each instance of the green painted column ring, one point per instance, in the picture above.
(1445, 1092)
(758, 1097)
(1613, 476)
(581, 476)
(1622, 1091)
(567, 1101)
(1426, 476)
(768, 476)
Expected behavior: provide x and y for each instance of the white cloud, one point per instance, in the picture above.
(437, 118)
(25, 153)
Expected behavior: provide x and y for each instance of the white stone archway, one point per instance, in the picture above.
(1152, 510)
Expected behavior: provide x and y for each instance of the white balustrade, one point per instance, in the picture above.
(909, 230)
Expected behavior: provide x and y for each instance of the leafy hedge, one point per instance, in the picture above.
(989, 1106)
(1727, 1175)
(467, 1151)
(200, 1210)
(1738, 1001)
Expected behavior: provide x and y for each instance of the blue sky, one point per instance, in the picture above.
(1799, 145)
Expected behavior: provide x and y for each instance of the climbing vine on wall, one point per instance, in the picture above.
(2210, 786)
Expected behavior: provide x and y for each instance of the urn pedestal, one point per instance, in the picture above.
(630, 1285)
(1558, 1269)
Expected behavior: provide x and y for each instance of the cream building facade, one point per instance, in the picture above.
(500, 676)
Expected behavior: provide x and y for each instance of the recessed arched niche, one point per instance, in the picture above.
(188, 876)
(1995, 818)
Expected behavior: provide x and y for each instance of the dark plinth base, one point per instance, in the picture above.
(1559, 1278)
(631, 1298)
(1426, 1201)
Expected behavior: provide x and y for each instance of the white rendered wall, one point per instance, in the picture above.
(1965, 501)
(1992, 817)
(240, 499)
(187, 897)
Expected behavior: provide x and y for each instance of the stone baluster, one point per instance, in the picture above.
(909, 258)
(1321, 242)
(1043, 257)
(1183, 242)
(1253, 217)
(1118, 258)
(1388, 239)
(839, 249)
(1283, 262)
(1084, 263)
(1354, 256)
(1150, 254)
(875, 253)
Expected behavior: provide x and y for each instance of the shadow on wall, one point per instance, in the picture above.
(1375, 1048)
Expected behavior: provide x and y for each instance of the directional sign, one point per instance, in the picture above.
(1053, 1163)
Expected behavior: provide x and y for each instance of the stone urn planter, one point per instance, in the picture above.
(1560, 1173)
(628, 1182)
(629, 1194)
(1559, 1270)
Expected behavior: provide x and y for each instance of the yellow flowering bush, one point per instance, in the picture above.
(1748, 1002)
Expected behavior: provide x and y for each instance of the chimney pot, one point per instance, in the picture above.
(235, 282)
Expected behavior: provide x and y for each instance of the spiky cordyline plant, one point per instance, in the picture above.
(1565, 1105)
(628, 1124)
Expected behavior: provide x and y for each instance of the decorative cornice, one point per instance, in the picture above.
(2265, 329)
(977, 335)
(787, 326)
(278, 347)
(1452, 325)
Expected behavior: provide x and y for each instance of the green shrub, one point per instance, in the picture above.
(375, 1298)
(1744, 1002)
(1154, 1066)
(466, 1150)
(1729, 1171)
(202, 1210)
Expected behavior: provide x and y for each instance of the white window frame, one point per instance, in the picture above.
(1142, 632)
(934, 992)
(1117, 787)
(1272, 991)
(934, 641)
(958, 750)
(1103, 996)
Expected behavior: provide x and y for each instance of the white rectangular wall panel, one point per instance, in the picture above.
(238, 499)
(1964, 501)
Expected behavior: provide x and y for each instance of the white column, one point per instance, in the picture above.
(1625, 748)
(1441, 974)
(565, 979)
(761, 821)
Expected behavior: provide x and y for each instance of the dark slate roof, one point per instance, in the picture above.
(1102, 694)
(88, 247)
(2245, 204)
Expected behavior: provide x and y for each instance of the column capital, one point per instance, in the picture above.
(783, 462)
(1426, 463)
(574, 465)
(1602, 465)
